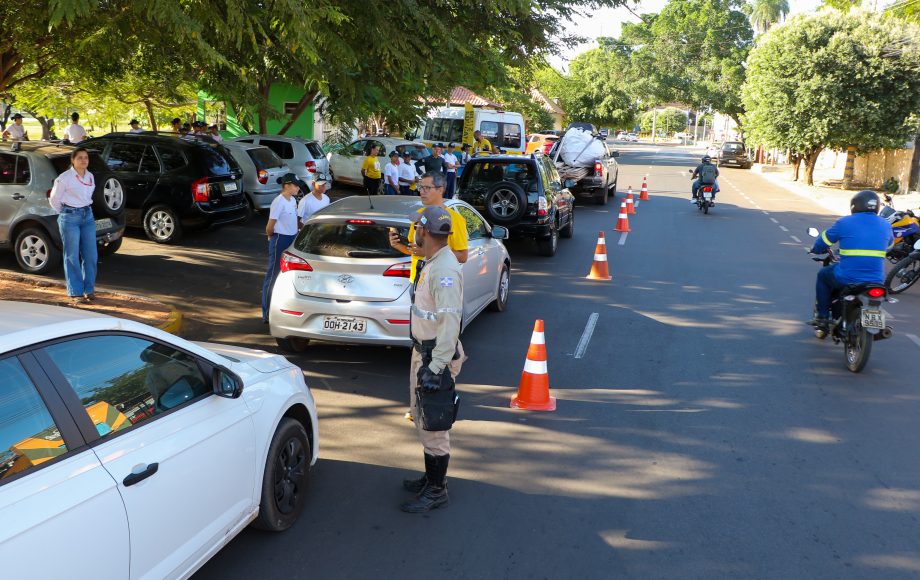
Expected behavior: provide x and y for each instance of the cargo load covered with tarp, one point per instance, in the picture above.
(577, 152)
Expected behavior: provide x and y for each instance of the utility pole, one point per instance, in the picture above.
(654, 125)
(696, 125)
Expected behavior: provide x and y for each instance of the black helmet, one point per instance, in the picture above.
(707, 159)
(865, 201)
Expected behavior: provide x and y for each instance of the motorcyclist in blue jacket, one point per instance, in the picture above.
(864, 238)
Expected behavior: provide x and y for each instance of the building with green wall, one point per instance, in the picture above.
(281, 97)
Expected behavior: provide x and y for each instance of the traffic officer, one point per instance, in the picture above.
(437, 355)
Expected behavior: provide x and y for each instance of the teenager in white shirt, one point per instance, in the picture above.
(72, 197)
(314, 201)
(75, 132)
(391, 175)
(408, 174)
(16, 132)
(281, 230)
(450, 158)
(135, 126)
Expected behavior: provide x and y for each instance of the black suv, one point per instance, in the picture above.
(522, 193)
(173, 183)
(734, 153)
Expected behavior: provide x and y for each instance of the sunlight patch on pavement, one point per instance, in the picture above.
(894, 500)
(906, 562)
(618, 539)
(811, 435)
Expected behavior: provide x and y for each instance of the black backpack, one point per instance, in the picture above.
(707, 174)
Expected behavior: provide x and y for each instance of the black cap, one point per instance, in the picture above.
(176, 120)
(441, 145)
(407, 153)
(452, 144)
(394, 153)
(291, 178)
(134, 122)
(17, 116)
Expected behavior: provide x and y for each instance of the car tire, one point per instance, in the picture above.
(295, 344)
(505, 202)
(109, 198)
(569, 230)
(161, 224)
(547, 246)
(35, 251)
(250, 209)
(601, 198)
(500, 304)
(110, 248)
(287, 467)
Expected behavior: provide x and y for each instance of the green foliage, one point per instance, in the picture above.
(832, 80)
(669, 120)
(891, 185)
(842, 5)
(766, 13)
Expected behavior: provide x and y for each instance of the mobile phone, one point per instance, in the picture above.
(402, 239)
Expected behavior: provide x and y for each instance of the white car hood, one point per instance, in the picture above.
(264, 362)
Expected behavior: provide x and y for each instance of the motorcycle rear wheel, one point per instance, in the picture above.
(857, 348)
(706, 207)
(902, 276)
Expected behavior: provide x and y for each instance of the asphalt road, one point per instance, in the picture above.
(704, 434)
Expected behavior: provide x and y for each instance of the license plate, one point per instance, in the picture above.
(345, 324)
(103, 224)
(873, 319)
(707, 194)
(230, 186)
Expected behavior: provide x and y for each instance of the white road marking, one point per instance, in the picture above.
(784, 228)
(765, 212)
(796, 240)
(622, 241)
(774, 220)
(586, 335)
(913, 338)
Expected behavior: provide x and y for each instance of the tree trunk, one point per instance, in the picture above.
(849, 168)
(302, 104)
(796, 160)
(151, 118)
(811, 158)
(913, 182)
(264, 91)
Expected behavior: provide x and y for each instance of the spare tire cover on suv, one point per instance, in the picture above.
(505, 202)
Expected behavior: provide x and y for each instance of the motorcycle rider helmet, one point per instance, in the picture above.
(707, 159)
(865, 201)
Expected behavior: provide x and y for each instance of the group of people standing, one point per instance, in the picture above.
(73, 133)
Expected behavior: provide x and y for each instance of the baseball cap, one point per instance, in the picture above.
(452, 144)
(394, 153)
(134, 122)
(436, 220)
(291, 178)
(407, 153)
(441, 145)
(321, 179)
(17, 116)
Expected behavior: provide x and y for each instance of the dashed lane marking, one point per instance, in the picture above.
(913, 338)
(586, 335)
(796, 240)
(784, 228)
(774, 220)
(622, 241)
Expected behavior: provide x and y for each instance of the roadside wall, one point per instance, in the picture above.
(872, 169)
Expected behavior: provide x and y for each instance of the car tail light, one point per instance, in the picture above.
(263, 176)
(311, 166)
(200, 190)
(291, 312)
(360, 222)
(598, 168)
(400, 270)
(876, 292)
(547, 146)
(397, 321)
(542, 206)
(291, 262)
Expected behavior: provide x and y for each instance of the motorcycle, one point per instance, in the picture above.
(704, 197)
(905, 273)
(857, 316)
(905, 226)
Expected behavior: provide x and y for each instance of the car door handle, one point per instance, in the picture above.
(17, 196)
(138, 477)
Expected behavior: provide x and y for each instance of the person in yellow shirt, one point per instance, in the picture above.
(482, 144)
(431, 189)
(370, 170)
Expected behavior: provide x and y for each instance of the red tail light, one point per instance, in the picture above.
(401, 270)
(876, 292)
(598, 168)
(547, 146)
(397, 321)
(311, 166)
(707, 189)
(200, 190)
(360, 222)
(291, 262)
(263, 176)
(48, 194)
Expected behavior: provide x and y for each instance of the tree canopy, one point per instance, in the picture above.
(833, 80)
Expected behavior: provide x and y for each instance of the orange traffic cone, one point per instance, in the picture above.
(630, 204)
(533, 393)
(599, 269)
(622, 219)
(643, 194)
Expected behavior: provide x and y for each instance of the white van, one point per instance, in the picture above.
(505, 130)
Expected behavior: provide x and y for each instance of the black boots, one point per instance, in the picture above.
(431, 487)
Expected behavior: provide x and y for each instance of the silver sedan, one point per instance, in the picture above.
(341, 281)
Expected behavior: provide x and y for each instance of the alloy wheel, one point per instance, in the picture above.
(504, 203)
(33, 251)
(290, 467)
(113, 194)
(162, 224)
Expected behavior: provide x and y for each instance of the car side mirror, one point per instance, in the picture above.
(614, 153)
(226, 384)
(813, 232)
(569, 183)
(501, 233)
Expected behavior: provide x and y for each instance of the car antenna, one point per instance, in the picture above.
(370, 200)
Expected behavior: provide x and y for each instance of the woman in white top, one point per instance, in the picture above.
(16, 132)
(72, 197)
(315, 201)
(281, 231)
(74, 132)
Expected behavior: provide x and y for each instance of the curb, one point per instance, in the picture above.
(172, 325)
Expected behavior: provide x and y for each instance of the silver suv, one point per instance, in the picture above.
(305, 158)
(28, 224)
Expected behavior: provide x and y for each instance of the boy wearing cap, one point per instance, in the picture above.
(450, 159)
(281, 230)
(315, 201)
(391, 175)
(135, 126)
(437, 355)
(408, 175)
(16, 132)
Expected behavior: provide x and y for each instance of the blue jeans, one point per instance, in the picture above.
(78, 233)
(696, 187)
(451, 181)
(389, 190)
(827, 284)
(276, 246)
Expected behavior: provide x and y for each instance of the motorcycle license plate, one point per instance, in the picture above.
(873, 319)
(103, 224)
(707, 194)
(346, 325)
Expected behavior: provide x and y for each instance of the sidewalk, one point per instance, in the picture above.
(833, 199)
